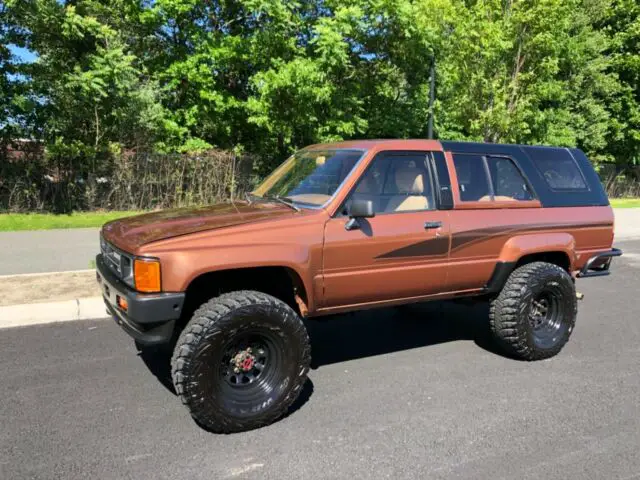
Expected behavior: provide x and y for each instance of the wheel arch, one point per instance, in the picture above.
(561, 255)
(280, 281)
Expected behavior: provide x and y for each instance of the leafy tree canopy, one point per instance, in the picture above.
(270, 76)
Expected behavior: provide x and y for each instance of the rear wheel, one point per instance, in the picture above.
(241, 361)
(533, 316)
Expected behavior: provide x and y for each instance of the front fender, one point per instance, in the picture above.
(180, 268)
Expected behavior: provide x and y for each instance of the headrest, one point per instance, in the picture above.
(409, 180)
(366, 185)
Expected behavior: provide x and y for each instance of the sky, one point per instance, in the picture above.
(23, 54)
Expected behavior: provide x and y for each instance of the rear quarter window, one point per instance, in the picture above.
(473, 183)
(558, 168)
(508, 182)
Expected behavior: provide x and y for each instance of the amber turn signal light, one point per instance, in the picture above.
(146, 274)
(122, 303)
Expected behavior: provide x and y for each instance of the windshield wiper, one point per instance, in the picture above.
(283, 200)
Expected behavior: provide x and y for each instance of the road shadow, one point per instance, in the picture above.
(376, 332)
(362, 334)
(340, 338)
(158, 361)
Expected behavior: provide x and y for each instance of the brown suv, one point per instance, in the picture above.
(347, 226)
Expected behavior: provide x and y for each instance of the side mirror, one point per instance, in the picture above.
(359, 209)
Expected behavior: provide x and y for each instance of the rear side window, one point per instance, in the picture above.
(508, 183)
(558, 168)
(472, 177)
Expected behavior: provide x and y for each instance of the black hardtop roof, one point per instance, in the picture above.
(527, 157)
(480, 147)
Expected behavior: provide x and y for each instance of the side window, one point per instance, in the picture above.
(558, 168)
(472, 177)
(508, 182)
(396, 183)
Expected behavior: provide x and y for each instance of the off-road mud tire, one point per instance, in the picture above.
(509, 314)
(198, 356)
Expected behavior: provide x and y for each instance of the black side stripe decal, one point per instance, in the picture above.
(468, 237)
(439, 246)
(432, 247)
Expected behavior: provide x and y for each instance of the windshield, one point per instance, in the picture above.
(310, 176)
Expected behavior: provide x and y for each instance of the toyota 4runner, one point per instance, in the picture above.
(348, 226)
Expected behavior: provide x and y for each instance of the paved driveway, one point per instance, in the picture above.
(393, 394)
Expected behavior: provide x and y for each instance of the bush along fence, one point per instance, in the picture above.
(620, 181)
(130, 181)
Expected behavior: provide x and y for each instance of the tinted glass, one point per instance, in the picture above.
(396, 183)
(472, 177)
(310, 176)
(508, 182)
(558, 168)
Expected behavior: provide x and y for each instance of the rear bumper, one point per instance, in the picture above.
(598, 265)
(149, 318)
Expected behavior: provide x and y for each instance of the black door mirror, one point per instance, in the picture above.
(361, 209)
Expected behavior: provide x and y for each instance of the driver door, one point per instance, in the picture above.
(400, 253)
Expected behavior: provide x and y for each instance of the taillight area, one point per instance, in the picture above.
(146, 273)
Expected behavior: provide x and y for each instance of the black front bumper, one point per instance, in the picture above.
(150, 317)
(598, 265)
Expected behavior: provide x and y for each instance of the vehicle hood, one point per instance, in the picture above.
(132, 232)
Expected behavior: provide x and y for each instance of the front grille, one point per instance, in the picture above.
(119, 262)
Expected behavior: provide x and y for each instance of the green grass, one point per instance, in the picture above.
(47, 221)
(625, 202)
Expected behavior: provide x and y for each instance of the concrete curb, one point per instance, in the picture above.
(41, 313)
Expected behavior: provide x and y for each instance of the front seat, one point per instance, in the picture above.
(410, 196)
(368, 190)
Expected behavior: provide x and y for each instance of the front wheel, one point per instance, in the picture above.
(533, 316)
(241, 361)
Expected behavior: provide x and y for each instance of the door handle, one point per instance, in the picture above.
(430, 225)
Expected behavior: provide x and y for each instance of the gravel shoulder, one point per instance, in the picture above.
(48, 287)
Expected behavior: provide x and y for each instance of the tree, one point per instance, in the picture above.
(91, 92)
(622, 26)
(270, 76)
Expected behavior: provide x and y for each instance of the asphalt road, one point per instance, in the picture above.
(48, 250)
(393, 394)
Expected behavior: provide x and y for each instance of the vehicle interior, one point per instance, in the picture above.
(396, 184)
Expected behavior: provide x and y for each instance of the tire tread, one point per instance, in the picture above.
(505, 313)
(209, 319)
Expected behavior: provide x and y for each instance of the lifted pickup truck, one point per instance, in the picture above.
(348, 226)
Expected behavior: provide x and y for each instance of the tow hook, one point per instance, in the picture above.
(579, 295)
